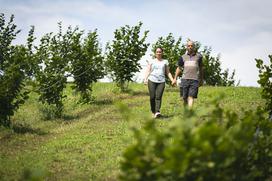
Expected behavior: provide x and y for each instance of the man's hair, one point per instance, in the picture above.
(189, 40)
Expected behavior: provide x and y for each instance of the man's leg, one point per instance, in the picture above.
(193, 91)
(182, 98)
(184, 91)
(190, 102)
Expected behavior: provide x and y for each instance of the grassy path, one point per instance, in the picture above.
(87, 144)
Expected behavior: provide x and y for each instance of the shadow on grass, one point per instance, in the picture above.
(103, 102)
(87, 111)
(146, 93)
(164, 117)
(172, 89)
(23, 129)
(70, 118)
(137, 93)
(49, 112)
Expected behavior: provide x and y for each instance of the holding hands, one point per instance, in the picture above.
(145, 81)
(174, 82)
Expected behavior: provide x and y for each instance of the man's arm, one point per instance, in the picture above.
(201, 75)
(201, 71)
(176, 76)
(180, 64)
(178, 71)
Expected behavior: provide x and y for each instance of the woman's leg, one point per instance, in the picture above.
(159, 92)
(151, 89)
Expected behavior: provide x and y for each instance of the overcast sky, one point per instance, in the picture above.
(240, 30)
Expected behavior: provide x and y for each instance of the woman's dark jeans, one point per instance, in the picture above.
(155, 93)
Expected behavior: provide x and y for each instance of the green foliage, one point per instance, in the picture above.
(15, 66)
(87, 64)
(213, 73)
(265, 80)
(53, 55)
(124, 53)
(218, 145)
(172, 50)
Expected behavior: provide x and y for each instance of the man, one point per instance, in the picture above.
(192, 75)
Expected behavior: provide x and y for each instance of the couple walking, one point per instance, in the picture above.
(190, 64)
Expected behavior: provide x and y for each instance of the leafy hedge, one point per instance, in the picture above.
(217, 145)
(124, 53)
(15, 68)
(265, 80)
(46, 67)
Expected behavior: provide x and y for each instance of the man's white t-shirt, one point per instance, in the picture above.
(158, 69)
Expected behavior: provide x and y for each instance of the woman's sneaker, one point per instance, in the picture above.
(157, 115)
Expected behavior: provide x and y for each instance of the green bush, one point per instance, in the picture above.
(87, 65)
(213, 73)
(15, 67)
(123, 55)
(265, 81)
(216, 145)
(53, 55)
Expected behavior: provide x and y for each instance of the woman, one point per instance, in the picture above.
(155, 79)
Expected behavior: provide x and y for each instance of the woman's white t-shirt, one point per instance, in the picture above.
(158, 69)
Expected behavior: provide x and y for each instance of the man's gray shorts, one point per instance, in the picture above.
(188, 88)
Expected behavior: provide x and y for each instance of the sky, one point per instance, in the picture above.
(238, 30)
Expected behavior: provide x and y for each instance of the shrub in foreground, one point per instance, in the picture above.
(219, 145)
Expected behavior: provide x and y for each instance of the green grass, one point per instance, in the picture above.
(88, 142)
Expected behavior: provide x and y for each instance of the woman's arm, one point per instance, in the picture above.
(169, 74)
(148, 69)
